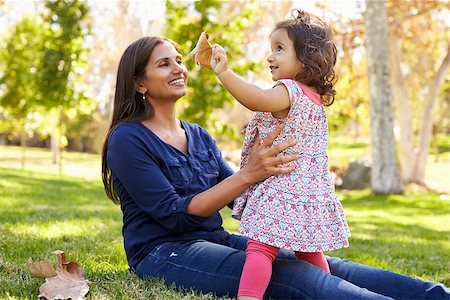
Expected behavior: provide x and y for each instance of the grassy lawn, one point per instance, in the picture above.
(78, 164)
(42, 211)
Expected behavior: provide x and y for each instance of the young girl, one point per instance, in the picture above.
(298, 211)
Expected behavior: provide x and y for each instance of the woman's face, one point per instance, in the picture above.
(166, 75)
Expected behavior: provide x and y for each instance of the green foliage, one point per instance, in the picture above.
(351, 107)
(350, 111)
(63, 53)
(442, 117)
(44, 58)
(226, 23)
(20, 59)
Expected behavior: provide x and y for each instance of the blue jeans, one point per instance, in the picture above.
(212, 268)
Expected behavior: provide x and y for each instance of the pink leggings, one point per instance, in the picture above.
(258, 267)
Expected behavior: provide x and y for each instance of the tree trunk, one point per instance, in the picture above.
(385, 177)
(427, 121)
(404, 115)
(23, 145)
(54, 142)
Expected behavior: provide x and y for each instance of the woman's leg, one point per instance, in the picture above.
(387, 283)
(203, 266)
(315, 258)
(257, 269)
(297, 279)
(209, 267)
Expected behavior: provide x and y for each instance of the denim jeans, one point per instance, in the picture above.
(213, 268)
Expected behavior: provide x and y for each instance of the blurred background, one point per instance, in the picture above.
(58, 62)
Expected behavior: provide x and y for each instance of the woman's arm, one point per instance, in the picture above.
(140, 176)
(262, 164)
(254, 98)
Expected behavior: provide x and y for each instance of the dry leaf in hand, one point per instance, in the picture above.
(66, 283)
(202, 53)
(42, 268)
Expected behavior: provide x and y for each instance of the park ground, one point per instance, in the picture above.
(43, 209)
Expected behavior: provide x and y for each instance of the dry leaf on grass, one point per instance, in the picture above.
(202, 53)
(67, 281)
(41, 268)
(64, 286)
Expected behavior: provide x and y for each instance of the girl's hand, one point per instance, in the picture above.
(219, 60)
(263, 161)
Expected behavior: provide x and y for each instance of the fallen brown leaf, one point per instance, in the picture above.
(67, 282)
(42, 268)
(64, 286)
(72, 268)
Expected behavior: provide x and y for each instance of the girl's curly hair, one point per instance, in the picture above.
(315, 48)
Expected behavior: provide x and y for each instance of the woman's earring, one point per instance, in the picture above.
(143, 97)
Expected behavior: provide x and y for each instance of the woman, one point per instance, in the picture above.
(171, 180)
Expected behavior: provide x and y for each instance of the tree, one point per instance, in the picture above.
(417, 29)
(418, 44)
(62, 65)
(19, 75)
(385, 177)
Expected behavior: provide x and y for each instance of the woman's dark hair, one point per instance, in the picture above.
(315, 48)
(129, 104)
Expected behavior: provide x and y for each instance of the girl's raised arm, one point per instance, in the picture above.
(254, 98)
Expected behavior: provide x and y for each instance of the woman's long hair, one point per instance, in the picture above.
(129, 104)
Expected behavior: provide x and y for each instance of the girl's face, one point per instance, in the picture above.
(165, 74)
(283, 60)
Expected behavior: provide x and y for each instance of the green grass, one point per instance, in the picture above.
(78, 164)
(42, 212)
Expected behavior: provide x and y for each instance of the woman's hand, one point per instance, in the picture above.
(262, 164)
(219, 60)
(263, 161)
(244, 127)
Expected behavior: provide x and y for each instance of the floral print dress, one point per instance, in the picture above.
(298, 211)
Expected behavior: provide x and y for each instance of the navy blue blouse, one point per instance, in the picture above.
(155, 182)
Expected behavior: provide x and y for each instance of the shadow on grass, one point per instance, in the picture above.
(37, 199)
